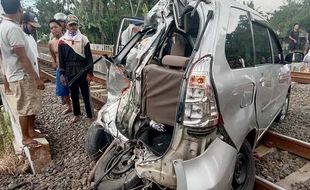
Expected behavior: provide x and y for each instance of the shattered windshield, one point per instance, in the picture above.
(118, 82)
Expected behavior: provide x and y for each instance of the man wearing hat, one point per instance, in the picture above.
(24, 81)
(61, 18)
(74, 55)
(30, 25)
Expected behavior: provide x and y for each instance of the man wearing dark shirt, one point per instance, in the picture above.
(74, 55)
(294, 38)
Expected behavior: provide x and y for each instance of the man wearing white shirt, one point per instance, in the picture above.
(30, 25)
(18, 62)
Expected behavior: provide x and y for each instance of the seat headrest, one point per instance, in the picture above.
(175, 61)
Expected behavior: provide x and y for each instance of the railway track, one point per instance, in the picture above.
(284, 143)
(301, 77)
(97, 86)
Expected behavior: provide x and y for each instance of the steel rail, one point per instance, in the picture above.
(289, 144)
(263, 184)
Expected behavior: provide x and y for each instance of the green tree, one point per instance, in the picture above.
(99, 18)
(292, 12)
(46, 11)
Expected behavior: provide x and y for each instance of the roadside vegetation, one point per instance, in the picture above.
(9, 162)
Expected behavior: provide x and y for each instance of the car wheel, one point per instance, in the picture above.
(122, 177)
(244, 174)
(283, 113)
(97, 140)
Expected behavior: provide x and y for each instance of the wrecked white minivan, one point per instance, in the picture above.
(188, 97)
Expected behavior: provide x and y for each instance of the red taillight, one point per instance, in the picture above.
(200, 104)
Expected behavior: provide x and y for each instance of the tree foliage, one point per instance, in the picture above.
(99, 19)
(293, 11)
(46, 11)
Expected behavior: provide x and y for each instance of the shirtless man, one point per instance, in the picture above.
(62, 91)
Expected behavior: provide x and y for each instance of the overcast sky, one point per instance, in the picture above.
(266, 5)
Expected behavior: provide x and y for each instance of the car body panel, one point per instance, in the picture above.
(212, 170)
(234, 87)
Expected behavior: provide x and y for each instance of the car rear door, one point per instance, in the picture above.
(266, 80)
(282, 71)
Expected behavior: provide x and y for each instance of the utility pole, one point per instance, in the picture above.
(132, 13)
(140, 1)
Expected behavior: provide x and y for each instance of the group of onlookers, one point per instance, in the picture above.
(70, 52)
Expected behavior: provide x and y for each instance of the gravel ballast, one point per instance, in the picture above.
(70, 165)
(277, 165)
(297, 122)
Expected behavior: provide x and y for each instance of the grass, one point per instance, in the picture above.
(9, 163)
(8, 160)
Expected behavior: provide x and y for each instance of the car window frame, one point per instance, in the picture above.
(256, 22)
(273, 36)
(249, 17)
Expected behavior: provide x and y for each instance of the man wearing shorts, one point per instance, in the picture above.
(19, 62)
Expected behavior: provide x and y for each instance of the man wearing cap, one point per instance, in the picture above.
(30, 25)
(74, 55)
(18, 61)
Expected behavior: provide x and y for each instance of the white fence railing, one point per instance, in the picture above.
(102, 47)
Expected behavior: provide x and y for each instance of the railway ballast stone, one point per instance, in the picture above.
(297, 122)
(70, 165)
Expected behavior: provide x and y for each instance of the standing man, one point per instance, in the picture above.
(74, 55)
(62, 91)
(30, 25)
(18, 61)
(61, 19)
(294, 38)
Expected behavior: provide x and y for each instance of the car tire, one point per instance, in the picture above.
(123, 180)
(97, 140)
(244, 173)
(284, 110)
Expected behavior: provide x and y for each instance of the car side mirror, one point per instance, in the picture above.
(295, 57)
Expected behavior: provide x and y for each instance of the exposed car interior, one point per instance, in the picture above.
(162, 79)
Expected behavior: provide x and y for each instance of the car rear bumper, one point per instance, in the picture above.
(213, 170)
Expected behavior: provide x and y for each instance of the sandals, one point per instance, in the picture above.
(32, 144)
